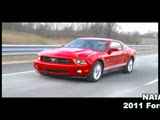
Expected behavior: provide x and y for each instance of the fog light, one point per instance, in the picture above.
(79, 71)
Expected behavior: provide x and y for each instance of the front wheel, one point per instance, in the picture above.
(129, 67)
(96, 72)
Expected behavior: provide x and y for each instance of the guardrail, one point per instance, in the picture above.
(34, 49)
(25, 49)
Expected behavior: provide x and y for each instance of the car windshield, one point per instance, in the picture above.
(98, 45)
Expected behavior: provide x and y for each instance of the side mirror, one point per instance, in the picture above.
(112, 50)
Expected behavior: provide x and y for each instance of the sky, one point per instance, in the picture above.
(125, 27)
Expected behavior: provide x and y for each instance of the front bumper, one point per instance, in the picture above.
(72, 70)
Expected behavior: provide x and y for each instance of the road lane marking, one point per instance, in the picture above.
(151, 82)
(9, 74)
(122, 93)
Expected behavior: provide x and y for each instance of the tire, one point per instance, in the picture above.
(96, 72)
(129, 67)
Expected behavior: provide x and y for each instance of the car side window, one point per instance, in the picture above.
(116, 45)
(125, 46)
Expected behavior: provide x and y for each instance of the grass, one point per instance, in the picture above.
(9, 37)
(11, 58)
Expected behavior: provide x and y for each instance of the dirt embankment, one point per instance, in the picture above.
(16, 38)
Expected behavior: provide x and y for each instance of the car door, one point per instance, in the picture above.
(116, 57)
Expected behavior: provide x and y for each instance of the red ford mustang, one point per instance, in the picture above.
(86, 57)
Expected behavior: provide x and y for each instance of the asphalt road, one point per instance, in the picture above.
(20, 80)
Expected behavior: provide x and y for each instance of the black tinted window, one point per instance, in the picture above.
(116, 45)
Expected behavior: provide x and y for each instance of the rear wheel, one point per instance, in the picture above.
(129, 66)
(96, 72)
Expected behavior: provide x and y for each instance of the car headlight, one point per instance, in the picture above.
(78, 61)
(39, 57)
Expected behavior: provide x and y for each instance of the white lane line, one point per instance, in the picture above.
(123, 92)
(9, 74)
(151, 82)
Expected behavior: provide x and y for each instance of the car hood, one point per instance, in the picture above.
(68, 52)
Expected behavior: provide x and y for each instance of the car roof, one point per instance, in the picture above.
(95, 38)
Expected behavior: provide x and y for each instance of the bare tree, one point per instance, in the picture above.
(109, 29)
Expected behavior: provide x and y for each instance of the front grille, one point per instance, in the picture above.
(55, 60)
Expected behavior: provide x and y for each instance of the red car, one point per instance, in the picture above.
(86, 57)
